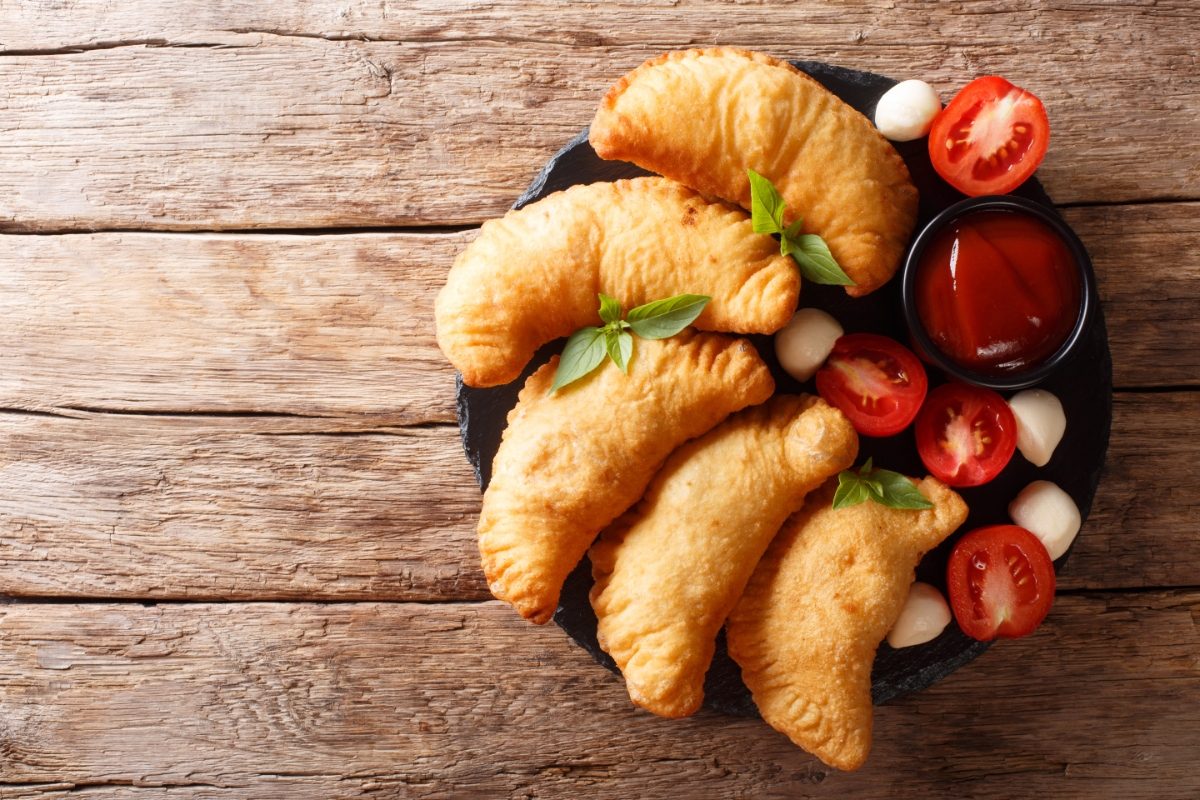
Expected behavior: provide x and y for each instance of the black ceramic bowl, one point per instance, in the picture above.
(1087, 299)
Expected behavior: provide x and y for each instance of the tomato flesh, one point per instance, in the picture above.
(1001, 582)
(875, 381)
(966, 435)
(990, 138)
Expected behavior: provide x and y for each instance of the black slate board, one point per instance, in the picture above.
(1084, 386)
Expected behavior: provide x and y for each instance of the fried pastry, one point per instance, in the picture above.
(571, 462)
(703, 117)
(668, 573)
(533, 275)
(821, 600)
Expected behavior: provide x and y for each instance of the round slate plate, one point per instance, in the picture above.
(1084, 385)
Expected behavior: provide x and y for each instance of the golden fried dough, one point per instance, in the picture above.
(572, 461)
(703, 116)
(533, 275)
(669, 572)
(821, 600)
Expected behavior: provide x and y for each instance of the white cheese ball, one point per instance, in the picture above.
(925, 615)
(805, 342)
(1041, 423)
(1049, 513)
(906, 111)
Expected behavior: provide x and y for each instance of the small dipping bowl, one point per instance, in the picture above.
(1023, 376)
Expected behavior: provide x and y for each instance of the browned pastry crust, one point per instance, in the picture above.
(669, 572)
(828, 590)
(572, 461)
(702, 117)
(532, 276)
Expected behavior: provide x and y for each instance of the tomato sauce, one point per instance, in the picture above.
(998, 291)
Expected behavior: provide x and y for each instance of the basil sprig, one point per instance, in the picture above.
(587, 347)
(881, 485)
(808, 250)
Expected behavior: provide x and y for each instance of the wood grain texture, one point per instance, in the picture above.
(343, 325)
(275, 393)
(243, 115)
(239, 508)
(412, 701)
(1141, 532)
(264, 787)
(207, 322)
(1147, 261)
(104, 505)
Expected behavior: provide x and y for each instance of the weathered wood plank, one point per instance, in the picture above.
(185, 507)
(256, 508)
(468, 701)
(36, 24)
(1147, 261)
(208, 322)
(1141, 531)
(267, 787)
(324, 325)
(171, 119)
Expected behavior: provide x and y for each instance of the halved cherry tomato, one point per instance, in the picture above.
(991, 137)
(965, 434)
(1001, 582)
(875, 381)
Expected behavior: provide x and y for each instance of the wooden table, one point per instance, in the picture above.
(238, 528)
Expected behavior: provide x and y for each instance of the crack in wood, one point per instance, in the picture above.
(109, 45)
(579, 39)
(1136, 201)
(415, 229)
(192, 412)
(70, 787)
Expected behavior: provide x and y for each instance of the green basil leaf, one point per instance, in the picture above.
(664, 318)
(610, 308)
(766, 204)
(793, 230)
(883, 486)
(867, 466)
(899, 491)
(626, 341)
(850, 491)
(583, 353)
(816, 262)
(620, 348)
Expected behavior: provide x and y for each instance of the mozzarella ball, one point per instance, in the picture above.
(906, 111)
(925, 615)
(1048, 513)
(1041, 423)
(806, 341)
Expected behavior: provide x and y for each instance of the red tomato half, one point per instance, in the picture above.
(965, 434)
(875, 381)
(1001, 582)
(990, 138)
